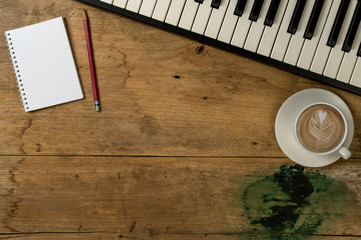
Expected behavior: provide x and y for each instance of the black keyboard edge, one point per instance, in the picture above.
(232, 49)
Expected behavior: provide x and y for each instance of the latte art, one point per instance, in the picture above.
(320, 128)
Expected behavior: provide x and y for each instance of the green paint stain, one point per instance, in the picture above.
(294, 202)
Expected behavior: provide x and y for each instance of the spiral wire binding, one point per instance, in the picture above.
(16, 70)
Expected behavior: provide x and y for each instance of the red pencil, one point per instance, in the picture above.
(91, 62)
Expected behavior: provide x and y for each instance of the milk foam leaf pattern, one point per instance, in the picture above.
(321, 127)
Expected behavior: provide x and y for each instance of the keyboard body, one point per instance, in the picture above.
(348, 85)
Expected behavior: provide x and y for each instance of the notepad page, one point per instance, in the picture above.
(44, 64)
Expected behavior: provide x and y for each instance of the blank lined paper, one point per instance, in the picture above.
(44, 64)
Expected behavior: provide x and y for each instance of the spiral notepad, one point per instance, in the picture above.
(44, 65)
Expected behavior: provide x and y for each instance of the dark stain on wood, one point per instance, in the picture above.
(149, 125)
(295, 201)
(38, 147)
(200, 49)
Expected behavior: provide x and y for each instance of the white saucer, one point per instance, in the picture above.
(286, 118)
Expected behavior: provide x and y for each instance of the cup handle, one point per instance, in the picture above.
(345, 153)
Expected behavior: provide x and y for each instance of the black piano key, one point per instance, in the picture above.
(215, 3)
(199, 1)
(352, 29)
(272, 11)
(359, 51)
(337, 24)
(296, 16)
(240, 7)
(312, 22)
(256, 9)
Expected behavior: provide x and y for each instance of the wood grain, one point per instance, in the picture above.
(185, 131)
(156, 88)
(138, 197)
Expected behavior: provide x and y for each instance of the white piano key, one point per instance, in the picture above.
(202, 17)
(188, 15)
(349, 60)
(270, 33)
(160, 10)
(242, 28)
(322, 51)
(174, 12)
(107, 1)
(336, 54)
(283, 37)
(347, 66)
(229, 23)
(216, 19)
(147, 7)
(333, 62)
(255, 32)
(356, 75)
(309, 47)
(120, 3)
(134, 5)
(296, 42)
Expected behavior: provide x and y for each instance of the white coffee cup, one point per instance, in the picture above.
(321, 129)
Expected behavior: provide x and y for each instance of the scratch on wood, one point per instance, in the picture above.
(12, 179)
(22, 133)
(133, 226)
(128, 69)
(14, 200)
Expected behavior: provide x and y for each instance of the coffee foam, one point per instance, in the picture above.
(320, 128)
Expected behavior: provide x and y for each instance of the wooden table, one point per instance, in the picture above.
(184, 147)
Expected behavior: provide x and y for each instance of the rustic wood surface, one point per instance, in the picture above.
(184, 147)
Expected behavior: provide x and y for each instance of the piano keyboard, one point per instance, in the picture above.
(318, 39)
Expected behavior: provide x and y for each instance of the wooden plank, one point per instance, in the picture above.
(116, 236)
(161, 196)
(161, 94)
